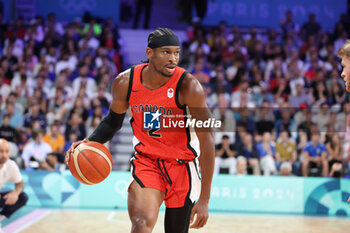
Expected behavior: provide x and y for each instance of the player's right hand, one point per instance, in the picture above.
(69, 153)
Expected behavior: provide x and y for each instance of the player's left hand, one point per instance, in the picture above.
(200, 210)
(11, 198)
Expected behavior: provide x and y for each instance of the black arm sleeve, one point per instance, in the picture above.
(108, 127)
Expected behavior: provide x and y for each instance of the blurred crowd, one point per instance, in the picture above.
(278, 91)
(55, 82)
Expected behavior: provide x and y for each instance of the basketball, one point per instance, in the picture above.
(90, 163)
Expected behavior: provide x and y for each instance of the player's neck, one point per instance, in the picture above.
(152, 79)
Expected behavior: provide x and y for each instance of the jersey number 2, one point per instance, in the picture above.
(152, 133)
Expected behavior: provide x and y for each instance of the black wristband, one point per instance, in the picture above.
(107, 127)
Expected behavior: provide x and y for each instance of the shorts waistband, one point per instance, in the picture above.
(172, 161)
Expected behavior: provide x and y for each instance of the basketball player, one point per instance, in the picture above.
(10, 202)
(344, 54)
(164, 167)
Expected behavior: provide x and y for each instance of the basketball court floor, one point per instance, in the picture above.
(93, 221)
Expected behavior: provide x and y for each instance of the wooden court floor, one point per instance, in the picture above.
(84, 221)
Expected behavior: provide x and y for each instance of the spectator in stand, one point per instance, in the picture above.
(52, 24)
(311, 27)
(16, 117)
(201, 72)
(12, 99)
(286, 122)
(225, 156)
(79, 109)
(264, 118)
(338, 43)
(266, 152)
(34, 114)
(199, 42)
(35, 152)
(91, 41)
(72, 137)
(286, 169)
(52, 163)
(340, 122)
(94, 26)
(86, 81)
(300, 97)
(63, 84)
(286, 151)
(322, 117)
(241, 166)
(96, 110)
(30, 58)
(216, 38)
(300, 116)
(95, 120)
(6, 131)
(241, 98)
(235, 73)
(335, 151)
(103, 96)
(247, 149)
(245, 118)
(319, 94)
(5, 88)
(288, 25)
(56, 140)
(337, 95)
(7, 69)
(315, 155)
(75, 124)
(66, 64)
(57, 107)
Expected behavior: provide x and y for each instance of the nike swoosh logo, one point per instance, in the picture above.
(135, 90)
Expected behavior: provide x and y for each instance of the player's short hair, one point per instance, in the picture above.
(160, 32)
(344, 51)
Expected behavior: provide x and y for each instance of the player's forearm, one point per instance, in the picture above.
(207, 165)
(19, 187)
(108, 127)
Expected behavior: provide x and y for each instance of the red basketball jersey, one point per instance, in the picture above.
(152, 119)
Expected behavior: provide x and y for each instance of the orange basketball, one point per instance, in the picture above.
(90, 163)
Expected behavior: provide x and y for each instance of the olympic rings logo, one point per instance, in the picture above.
(77, 6)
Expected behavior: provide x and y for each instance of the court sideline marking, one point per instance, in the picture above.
(26, 221)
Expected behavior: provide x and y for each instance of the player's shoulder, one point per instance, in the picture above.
(190, 79)
(191, 84)
(191, 91)
(122, 78)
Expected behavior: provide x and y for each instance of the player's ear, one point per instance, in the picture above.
(149, 53)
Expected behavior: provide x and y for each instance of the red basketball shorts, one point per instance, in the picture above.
(179, 181)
